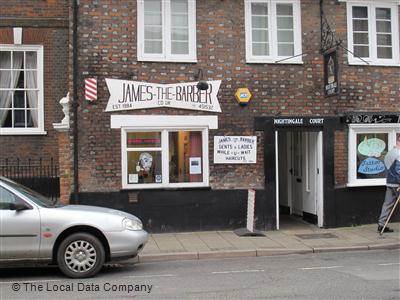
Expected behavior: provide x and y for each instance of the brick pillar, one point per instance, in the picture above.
(64, 162)
(64, 153)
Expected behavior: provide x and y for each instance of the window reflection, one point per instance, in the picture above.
(185, 153)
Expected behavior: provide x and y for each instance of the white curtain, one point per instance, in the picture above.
(8, 81)
(31, 83)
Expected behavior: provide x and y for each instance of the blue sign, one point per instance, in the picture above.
(371, 166)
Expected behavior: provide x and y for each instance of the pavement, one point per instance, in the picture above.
(290, 240)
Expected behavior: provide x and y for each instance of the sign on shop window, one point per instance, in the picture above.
(371, 150)
(235, 149)
(195, 165)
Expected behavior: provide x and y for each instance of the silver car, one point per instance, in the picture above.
(79, 238)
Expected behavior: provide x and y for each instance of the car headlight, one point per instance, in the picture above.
(132, 224)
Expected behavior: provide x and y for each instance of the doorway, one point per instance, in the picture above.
(299, 176)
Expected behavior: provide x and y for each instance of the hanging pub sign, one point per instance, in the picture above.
(126, 95)
(235, 149)
(331, 79)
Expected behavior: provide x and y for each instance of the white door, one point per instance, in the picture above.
(310, 167)
(296, 172)
(320, 180)
(300, 185)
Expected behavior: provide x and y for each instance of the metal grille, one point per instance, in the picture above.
(40, 175)
(314, 236)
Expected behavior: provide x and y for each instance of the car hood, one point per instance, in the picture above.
(95, 209)
(105, 219)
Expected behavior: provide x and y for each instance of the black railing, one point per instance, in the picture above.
(39, 175)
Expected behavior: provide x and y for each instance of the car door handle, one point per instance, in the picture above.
(298, 179)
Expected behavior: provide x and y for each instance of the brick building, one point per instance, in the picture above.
(33, 79)
(324, 109)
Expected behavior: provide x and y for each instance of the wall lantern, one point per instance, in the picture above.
(201, 85)
(243, 96)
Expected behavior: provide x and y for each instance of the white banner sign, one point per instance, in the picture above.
(125, 95)
(235, 149)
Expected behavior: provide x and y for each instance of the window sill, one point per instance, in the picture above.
(171, 60)
(366, 184)
(373, 63)
(22, 132)
(172, 186)
(274, 61)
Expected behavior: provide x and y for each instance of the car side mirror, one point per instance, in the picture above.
(19, 206)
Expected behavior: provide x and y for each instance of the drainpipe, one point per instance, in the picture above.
(75, 97)
(321, 12)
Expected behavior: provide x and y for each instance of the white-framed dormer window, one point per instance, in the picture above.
(21, 90)
(273, 31)
(166, 30)
(368, 145)
(373, 32)
(164, 151)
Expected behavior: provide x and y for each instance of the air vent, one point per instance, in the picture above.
(133, 197)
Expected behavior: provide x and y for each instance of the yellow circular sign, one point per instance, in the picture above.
(243, 95)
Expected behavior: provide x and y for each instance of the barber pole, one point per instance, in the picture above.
(91, 89)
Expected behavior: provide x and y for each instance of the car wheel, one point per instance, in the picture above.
(80, 255)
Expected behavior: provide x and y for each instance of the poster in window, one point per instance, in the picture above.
(371, 150)
(158, 178)
(195, 165)
(133, 178)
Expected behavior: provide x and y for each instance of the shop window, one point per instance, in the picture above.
(373, 33)
(368, 145)
(167, 30)
(185, 156)
(21, 89)
(165, 158)
(144, 157)
(273, 31)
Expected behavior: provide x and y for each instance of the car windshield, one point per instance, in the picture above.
(31, 194)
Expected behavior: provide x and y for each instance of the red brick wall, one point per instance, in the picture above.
(65, 157)
(341, 157)
(34, 9)
(363, 87)
(55, 50)
(108, 49)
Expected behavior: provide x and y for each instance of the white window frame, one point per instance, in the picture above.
(272, 33)
(166, 54)
(164, 124)
(355, 129)
(372, 59)
(31, 130)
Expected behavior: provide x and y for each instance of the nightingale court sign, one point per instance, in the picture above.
(126, 95)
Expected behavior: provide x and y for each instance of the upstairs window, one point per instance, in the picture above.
(273, 31)
(373, 32)
(21, 89)
(167, 30)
